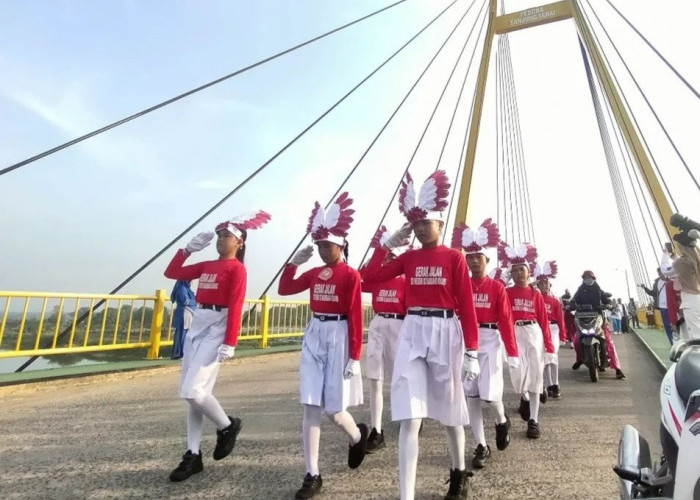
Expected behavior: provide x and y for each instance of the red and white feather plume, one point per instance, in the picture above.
(334, 224)
(547, 271)
(510, 256)
(476, 240)
(502, 274)
(432, 197)
(246, 221)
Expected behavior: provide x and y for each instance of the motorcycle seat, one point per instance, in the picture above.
(687, 374)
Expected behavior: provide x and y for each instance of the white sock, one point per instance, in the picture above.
(344, 420)
(476, 420)
(554, 368)
(211, 409)
(534, 406)
(195, 423)
(376, 404)
(499, 410)
(455, 441)
(311, 436)
(408, 457)
(547, 375)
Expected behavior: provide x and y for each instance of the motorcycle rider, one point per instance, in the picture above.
(590, 293)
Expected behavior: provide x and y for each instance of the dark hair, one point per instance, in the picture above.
(346, 251)
(240, 254)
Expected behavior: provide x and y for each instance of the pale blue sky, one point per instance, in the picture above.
(85, 218)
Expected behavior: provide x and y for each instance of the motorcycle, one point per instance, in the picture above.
(589, 323)
(676, 475)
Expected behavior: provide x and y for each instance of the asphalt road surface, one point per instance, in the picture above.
(119, 436)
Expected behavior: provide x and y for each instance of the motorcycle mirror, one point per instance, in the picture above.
(680, 347)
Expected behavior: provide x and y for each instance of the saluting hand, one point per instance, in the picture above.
(199, 242)
(400, 237)
(302, 256)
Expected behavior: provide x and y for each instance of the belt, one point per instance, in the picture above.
(391, 315)
(331, 317)
(553, 323)
(492, 326)
(438, 313)
(212, 306)
(525, 322)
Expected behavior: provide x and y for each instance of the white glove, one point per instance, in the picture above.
(199, 242)
(399, 238)
(694, 233)
(225, 352)
(351, 369)
(550, 358)
(470, 367)
(513, 362)
(302, 256)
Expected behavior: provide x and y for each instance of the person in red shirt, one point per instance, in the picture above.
(390, 310)
(555, 314)
(440, 323)
(329, 370)
(213, 334)
(496, 338)
(531, 332)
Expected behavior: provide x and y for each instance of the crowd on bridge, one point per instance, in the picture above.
(445, 331)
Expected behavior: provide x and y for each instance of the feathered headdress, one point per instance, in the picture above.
(432, 198)
(381, 237)
(547, 271)
(524, 253)
(248, 220)
(501, 273)
(333, 225)
(476, 241)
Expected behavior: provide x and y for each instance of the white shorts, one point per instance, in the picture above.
(381, 347)
(427, 381)
(324, 355)
(528, 377)
(201, 346)
(489, 385)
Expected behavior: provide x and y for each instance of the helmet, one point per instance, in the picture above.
(588, 274)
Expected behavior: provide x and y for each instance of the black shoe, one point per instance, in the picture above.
(226, 439)
(601, 369)
(375, 441)
(543, 397)
(619, 375)
(356, 453)
(191, 464)
(524, 410)
(576, 365)
(533, 429)
(503, 434)
(550, 394)
(556, 391)
(310, 486)
(459, 482)
(481, 456)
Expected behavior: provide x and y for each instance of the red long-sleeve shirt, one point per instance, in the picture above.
(528, 304)
(333, 290)
(221, 282)
(388, 296)
(555, 313)
(435, 277)
(493, 306)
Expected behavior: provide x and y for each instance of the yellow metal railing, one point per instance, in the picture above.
(41, 324)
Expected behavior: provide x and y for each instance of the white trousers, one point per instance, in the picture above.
(528, 376)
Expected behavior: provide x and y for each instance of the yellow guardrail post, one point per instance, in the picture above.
(157, 324)
(264, 321)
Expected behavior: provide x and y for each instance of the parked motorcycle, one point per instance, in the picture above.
(676, 475)
(589, 323)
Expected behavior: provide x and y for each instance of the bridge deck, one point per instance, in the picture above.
(118, 436)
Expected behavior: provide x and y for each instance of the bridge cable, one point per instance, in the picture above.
(656, 116)
(505, 160)
(687, 84)
(190, 92)
(301, 241)
(84, 316)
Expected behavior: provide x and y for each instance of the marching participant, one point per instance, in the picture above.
(390, 310)
(531, 332)
(213, 335)
(494, 316)
(555, 314)
(431, 358)
(329, 370)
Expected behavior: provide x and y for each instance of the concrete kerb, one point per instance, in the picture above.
(656, 357)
